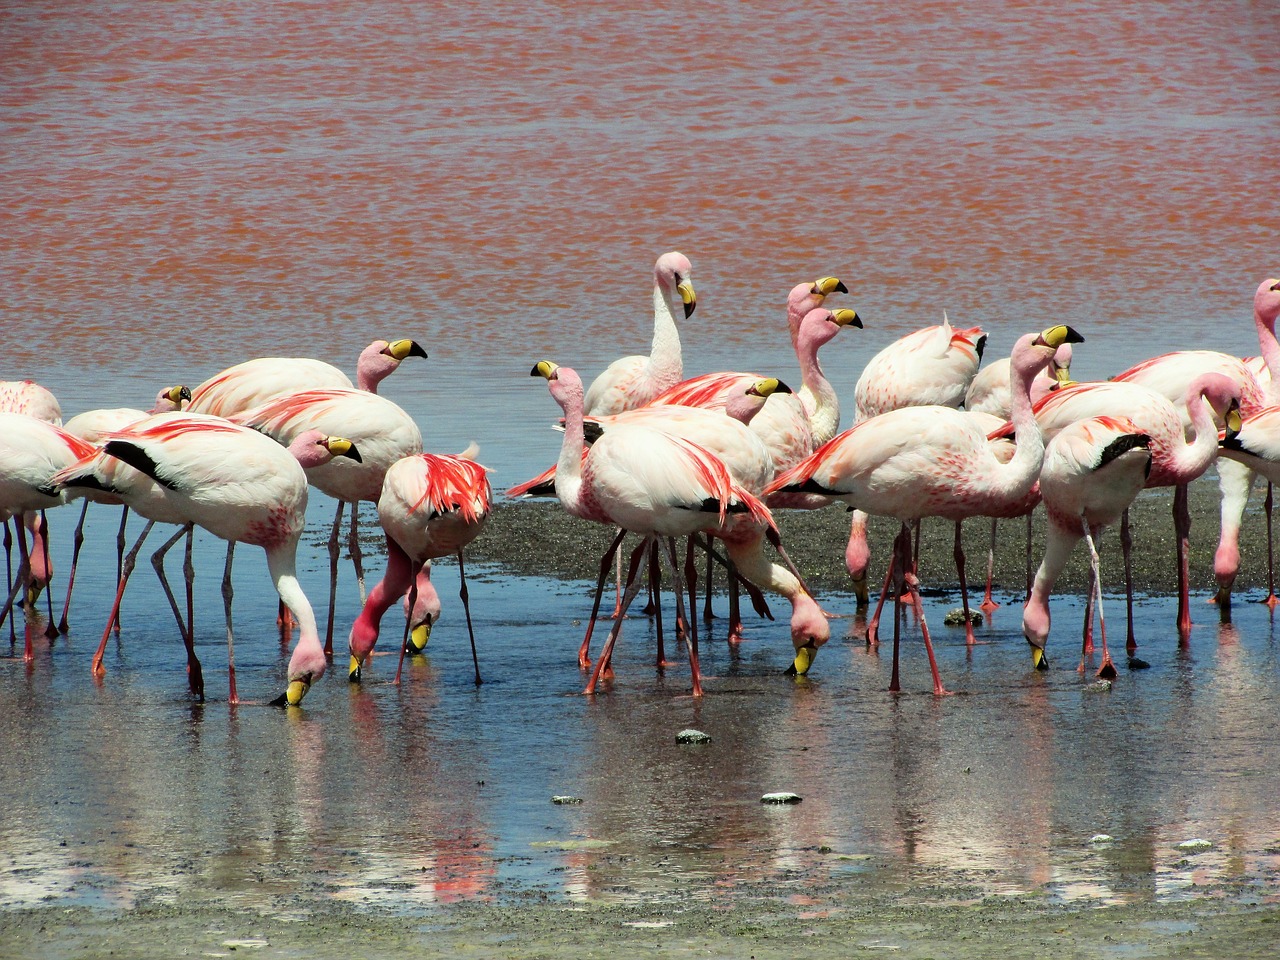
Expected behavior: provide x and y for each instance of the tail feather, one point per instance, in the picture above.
(138, 458)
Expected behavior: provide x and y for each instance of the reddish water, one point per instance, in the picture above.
(187, 184)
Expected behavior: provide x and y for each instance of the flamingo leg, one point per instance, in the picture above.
(873, 625)
(8, 563)
(1182, 528)
(77, 541)
(691, 578)
(1107, 670)
(1271, 599)
(227, 595)
(465, 597)
(632, 588)
(605, 669)
(189, 575)
(333, 578)
(897, 564)
(606, 562)
(958, 552)
(988, 602)
(353, 547)
(195, 676)
(707, 613)
(655, 586)
(408, 623)
(1086, 632)
(1126, 548)
(617, 602)
(17, 588)
(1030, 571)
(913, 589)
(25, 577)
(735, 604)
(126, 570)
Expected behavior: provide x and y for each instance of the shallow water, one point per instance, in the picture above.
(189, 184)
(125, 791)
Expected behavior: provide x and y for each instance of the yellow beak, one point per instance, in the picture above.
(353, 670)
(419, 636)
(399, 349)
(297, 690)
(687, 297)
(1038, 659)
(804, 659)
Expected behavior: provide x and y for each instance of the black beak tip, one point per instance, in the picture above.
(280, 701)
(841, 288)
(416, 350)
(689, 308)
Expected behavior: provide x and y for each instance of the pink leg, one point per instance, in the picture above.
(1107, 670)
(195, 676)
(334, 554)
(1271, 599)
(1086, 633)
(988, 602)
(655, 585)
(126, 571)
(605, 669)
(691, 579)
(606, 562)
(873, 625)
(77, 541)
(958, 553)
(632, 588)
(897, 567)
(227, 594)
(1126, 548)
(1182, 528)
(913, 588)
(408, 624)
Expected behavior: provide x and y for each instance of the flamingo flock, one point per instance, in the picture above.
(696, 465)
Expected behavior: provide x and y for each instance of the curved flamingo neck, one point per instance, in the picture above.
(569, 467)
(817, 396)
(1024, 467)
(744, 406)
(373, 366)
(393, 585)
(308, 655)
(1192, 458)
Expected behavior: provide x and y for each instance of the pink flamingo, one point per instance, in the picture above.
(431, 506)
(633, 381)
(380, 429)
(31, 452)
(649, 482)
(244, 488)
(254, 382)
(30, 398)
(1093, 469)
(1175, 461)
(932, 366)
(922, 461)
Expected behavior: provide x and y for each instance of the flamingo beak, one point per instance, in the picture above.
(353, 669)
(294, 693)
(687, 297)
(846, 318)
(1038, 659)
(1056, 336)
(419, 636)
(804, 660)
(1232, 419)
(545, 369)
(400, 349)
(825, 286)
(342, 447)
(178, 394)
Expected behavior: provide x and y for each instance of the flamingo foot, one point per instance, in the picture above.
(1107, 671)
(1271, 600)
(987, 605)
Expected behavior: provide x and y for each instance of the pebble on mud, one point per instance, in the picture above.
(692, 736)
(1195, 845)
(955, 618)
(781, 798)
(566, 800)
(1101, 838)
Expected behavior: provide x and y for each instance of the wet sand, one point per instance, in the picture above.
(937, 912)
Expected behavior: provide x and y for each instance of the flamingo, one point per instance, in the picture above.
(431, 506)
(31, 452)
(932, 366)
(652, 483)
(1093, 469)
(635, 380)
(244, 488)
(989, 390)
(1175, 460)
(922, 461)
(30, 398)
(380, 429)
(254, 382)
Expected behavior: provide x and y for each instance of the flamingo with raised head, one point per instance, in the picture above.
(244, 488)
(1093, 469)
(924, 461)
(431, 506)
(989, 390)
(652, 483)
(633, 381)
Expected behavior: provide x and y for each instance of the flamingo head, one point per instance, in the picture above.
(672, 273)
(170, 399)
(381, 358)
(1223, 396)
(564, 383)
(820, 325)
(1266, 302)
(809, 296)
(1035, 351)
(306, 666)
(312, 448)
(746, 405)
(809, 631)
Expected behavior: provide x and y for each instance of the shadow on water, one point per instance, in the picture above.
(123, 791)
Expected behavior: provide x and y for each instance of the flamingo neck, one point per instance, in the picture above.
(665, 363)
(1193, 458)
(744, 407)
(569, 466)
(1023, 468)
(798, 305)
(817, 396)
(392, 586)
(308, 655)
(1269, 347)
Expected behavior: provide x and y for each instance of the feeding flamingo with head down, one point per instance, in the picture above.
(431, 506)
(917, 462)
(244, 488)
(1093, 469)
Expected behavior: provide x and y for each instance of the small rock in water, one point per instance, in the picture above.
(781, 798)
(1195, 845)
(1101, 838)
(692, 736)
(1102, 686)
(566, 799)
(956, 617)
